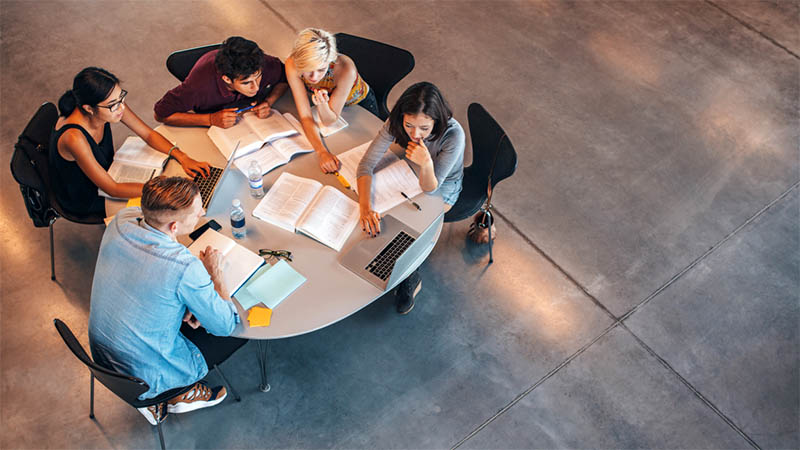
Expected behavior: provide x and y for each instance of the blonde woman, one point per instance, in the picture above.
(315, 67)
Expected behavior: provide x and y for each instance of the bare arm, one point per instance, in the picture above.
(327, 161)
(157, 141)
(370, 220)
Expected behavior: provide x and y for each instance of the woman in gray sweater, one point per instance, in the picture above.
(422, 123)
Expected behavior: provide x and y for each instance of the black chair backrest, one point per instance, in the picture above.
(30, 167)
(180, 63)
(491, 148)
(125, 387)
(381, 65)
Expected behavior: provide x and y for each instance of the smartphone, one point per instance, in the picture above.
(210, 224)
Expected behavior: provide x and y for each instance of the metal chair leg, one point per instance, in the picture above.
(228, 384)
(91, 396)
(491, 222)
(161, 435)
(263, 345)
(52, 256)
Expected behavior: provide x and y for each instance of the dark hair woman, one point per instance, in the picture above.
(82, 148)
(421, 121)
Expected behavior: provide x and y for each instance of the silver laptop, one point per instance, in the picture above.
(208, 185)
(382, 260)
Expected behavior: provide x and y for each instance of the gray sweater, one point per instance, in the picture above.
(447, 153)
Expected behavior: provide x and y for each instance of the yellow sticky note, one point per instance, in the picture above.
(134, 202)
(259, 316)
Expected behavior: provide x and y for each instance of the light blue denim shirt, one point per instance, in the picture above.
(143, 283)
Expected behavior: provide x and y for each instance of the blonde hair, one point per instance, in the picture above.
(313, 48)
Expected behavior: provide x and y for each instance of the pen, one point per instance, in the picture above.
(411, 201)
(247, 108)
(152, 174)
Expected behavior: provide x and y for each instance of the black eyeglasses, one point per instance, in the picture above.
(285, 254)
(113, 107)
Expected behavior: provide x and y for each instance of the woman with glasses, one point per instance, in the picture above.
(82, 149)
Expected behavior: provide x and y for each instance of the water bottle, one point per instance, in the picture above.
(256, 179)
(237, 219)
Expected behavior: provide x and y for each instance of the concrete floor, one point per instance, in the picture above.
(645, 289)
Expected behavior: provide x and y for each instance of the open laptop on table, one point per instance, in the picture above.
(382, 260)
(208, 185)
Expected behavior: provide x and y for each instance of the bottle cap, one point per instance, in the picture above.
(236, 203)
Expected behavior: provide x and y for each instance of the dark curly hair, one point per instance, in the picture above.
(238, 58)
(425, 98)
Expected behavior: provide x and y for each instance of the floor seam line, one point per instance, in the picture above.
(279, 16)
(754, 29)
(538, 383)
(708, 252)
(558, 267)
(691, 387)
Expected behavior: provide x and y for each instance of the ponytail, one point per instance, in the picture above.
(90, 86)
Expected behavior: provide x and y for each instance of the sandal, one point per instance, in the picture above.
(479, 228)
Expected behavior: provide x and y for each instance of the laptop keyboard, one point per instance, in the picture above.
(381, 266)
(207, 184)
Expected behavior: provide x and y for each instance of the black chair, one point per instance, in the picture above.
(180, 63)
(125, 387)
(30, 167)
(381, 65)
(493, 160)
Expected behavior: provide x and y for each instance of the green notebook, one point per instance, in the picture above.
(270, 285)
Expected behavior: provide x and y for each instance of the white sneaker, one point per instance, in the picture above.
(199, 396)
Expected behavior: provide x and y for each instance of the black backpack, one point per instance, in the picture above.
(30, 165)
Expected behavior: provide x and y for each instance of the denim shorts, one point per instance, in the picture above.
(450, 191)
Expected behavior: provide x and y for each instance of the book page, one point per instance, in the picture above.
(129, 173)
(330, 218)
(327, 130)
(238, 262)
(289, 146)
(286, 200)
(273, 127)
(135, 150)
(226, 138)
(389, 182)
(351, 158)
(213, 238)
(268, 158)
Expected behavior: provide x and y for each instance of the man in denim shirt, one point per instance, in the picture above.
(150, 295)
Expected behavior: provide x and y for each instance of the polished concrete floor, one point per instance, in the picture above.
(645, 288)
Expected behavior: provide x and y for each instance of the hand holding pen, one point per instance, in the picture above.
(224, 118)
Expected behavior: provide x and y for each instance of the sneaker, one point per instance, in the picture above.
(406, 291)
(154, 414)
(199, 396)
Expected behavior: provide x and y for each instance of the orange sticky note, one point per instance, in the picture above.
(259, 316)
(134, 202)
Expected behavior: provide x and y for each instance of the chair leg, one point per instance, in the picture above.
(161, 435)
(263, 346)
(52, 256)
(228, 384)
(491, 221)
(91, 396)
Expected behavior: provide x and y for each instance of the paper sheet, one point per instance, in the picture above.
(272, 286)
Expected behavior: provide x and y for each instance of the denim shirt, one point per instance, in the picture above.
(143, 284)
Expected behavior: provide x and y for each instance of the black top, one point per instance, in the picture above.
(75, 192)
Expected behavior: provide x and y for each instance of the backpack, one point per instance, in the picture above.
(30, 165)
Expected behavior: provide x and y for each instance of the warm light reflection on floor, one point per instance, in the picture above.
(625, 58)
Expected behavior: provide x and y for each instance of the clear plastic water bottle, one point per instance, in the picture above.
(237, 219)
(256, 179)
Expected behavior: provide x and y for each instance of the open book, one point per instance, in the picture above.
(135, 162)
(239, 262)
(301, 204)
(390, 177)
(327, 130)
(252, 132)
(275, 153)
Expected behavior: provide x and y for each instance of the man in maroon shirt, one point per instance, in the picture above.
(237, 75)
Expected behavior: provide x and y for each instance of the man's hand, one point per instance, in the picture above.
(328, 162)
(212, 260)
(262, 110)
(191, 320)
(418, 153)
(224, 118)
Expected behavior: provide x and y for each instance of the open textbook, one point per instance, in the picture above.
(135, 162)
(301, 204)
(252, 132)
(275, 153)
(390, 177)
(239, 262)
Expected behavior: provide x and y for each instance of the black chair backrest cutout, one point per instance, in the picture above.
(492, 150)
(180, 63)
(381, 65)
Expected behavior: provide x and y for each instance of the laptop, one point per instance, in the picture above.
(208, 185)
(382, 260)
